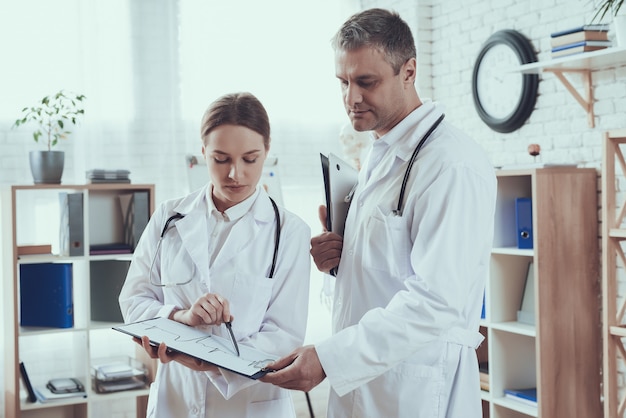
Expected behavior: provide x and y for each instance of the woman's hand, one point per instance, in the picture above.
(209, 309)
(165, 355)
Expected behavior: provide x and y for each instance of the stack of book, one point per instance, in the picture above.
(580, 39)
(108, 176)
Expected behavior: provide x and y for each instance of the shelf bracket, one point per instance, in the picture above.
(586, 103)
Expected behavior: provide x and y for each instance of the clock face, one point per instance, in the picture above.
(499, 86)
(504, 97)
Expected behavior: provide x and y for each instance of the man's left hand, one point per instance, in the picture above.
(300, 370)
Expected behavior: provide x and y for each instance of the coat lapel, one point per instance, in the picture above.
(245, 231)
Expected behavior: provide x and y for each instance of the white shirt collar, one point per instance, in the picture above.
(234, 212)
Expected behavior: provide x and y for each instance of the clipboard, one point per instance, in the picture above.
(201, 345)
(340, 180)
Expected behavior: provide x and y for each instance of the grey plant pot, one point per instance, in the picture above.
(47, 166)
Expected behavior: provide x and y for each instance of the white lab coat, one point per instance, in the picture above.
(270, 314)
(409, 289)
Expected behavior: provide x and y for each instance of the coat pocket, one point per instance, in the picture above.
(388, 244)
(249, 301)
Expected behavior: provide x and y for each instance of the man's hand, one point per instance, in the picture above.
(165, 355)
(326, 247)
(300, 370)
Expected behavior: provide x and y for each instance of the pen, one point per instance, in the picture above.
(232, 336)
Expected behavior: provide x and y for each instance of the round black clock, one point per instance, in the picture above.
(504, 97)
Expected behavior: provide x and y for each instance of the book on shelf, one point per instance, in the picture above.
(135, 214)
(34, 249)
(526, 396)
(585, 35)
(581, 43)
(601, 27)
(32, 396)
(102, 174)
(71, 233)
(576, 50)
(483, 370)
(113, 248)
(47, 393)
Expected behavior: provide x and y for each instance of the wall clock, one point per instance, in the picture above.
(504, 97)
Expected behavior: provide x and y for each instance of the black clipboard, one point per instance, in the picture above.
(197, 343)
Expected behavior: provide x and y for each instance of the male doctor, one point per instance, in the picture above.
(412, 266)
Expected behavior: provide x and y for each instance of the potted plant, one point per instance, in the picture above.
(53, 116)
(612, 7)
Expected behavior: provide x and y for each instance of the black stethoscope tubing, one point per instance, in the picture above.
(398, 210)
(177, 216)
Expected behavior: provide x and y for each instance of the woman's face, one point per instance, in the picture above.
(235, 157)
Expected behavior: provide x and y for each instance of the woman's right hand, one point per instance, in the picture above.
(209, 309)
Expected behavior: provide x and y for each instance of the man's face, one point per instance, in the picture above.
(375, 98)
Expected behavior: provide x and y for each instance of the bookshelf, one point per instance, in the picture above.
(583, 64)
(31, 215)
(613, 237)
(560, 354)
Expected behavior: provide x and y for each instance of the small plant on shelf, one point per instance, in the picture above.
(53, 114)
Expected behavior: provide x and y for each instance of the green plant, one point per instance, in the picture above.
(607, 6)
(53, 114)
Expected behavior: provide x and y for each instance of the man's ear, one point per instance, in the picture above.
(409, 71)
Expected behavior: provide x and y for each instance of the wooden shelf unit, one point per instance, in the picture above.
(29, 213)
(560, 354)
(613, 237)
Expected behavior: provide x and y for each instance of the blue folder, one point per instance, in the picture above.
(524, 220)
(46, 295)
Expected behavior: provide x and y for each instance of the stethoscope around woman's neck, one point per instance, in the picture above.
(398, 210)
(177, 216)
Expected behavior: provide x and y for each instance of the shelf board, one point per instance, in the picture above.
(515, 328)
(513, 251)
(55, 403)
(123, 394)
(30, 331)
(485, 395)
(532, 411)
(619, 331)
(617, 233)
(596, 60)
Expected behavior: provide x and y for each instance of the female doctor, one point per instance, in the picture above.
(221, 259)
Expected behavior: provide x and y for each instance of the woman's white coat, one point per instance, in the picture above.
(269, 314)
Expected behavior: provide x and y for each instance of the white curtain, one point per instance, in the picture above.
(149, 69)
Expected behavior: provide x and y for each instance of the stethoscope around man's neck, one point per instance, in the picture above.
(176, 216)
(398, 210)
